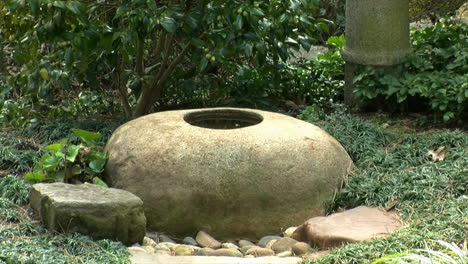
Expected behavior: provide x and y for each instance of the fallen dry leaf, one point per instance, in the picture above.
(438, 154)
(391, 205)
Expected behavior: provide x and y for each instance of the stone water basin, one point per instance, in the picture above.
(232, 172)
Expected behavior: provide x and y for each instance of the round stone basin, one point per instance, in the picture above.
(234, 173)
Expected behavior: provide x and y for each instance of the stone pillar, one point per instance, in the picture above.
(377, 34)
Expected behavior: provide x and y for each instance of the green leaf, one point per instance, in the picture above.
(256, 12)
(97, 165)
(35, 176)
(86, 136)
(74, 7)
(51, 163)
(198, 43)
(202, 65)
(76, 169)
(238, 22)
(57, 146)
(72, 152)
(34, 6)
(448, 116)
(169, 24)
(294, 5)
(99, 182)
(59, 176)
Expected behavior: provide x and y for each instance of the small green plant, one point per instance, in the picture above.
(434, 76)
(66, 162)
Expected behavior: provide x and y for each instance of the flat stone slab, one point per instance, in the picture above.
(91, 210)
(147, 258)
(351, 226)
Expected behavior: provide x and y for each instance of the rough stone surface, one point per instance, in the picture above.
(266, 239)
(377, 32)
(355, 225)
(205, 240)
(227, 252)
(90, 209)
(301, 248)
(283, 244)
(233, 183)
(145, 258)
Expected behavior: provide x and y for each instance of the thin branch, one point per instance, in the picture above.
(139, 56)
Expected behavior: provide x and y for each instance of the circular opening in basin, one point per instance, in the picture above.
(223, 119)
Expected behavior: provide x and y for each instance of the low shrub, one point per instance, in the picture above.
(432, 77)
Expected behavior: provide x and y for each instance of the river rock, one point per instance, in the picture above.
(204, 252)
(149, 242)
(229, 245)
(164, 238)
(148, 249)
(163, 252)
(132, 250)
(301, 248)
(355, 225)
(264, 240)
(244, 242)
(283, 254)
(260, 252)
(227, 252)
(317, 255)
(240, 181)
(269, 245)
(283, 244)
(183, 250)
(244, 249)
(288, 232)
(190, 241)
(165, 246)
(205, 240)
(91, 210)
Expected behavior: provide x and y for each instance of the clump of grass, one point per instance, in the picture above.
(395, 166)
(358, 137)
(17, 153)
(14, 189)
(53, 131)
(26, 243)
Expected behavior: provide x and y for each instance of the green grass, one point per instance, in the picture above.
(395, 165)
(22, 240)
(392, 164)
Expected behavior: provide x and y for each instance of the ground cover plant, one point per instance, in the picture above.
(23, 240)
(432, 77)
(394, 166)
